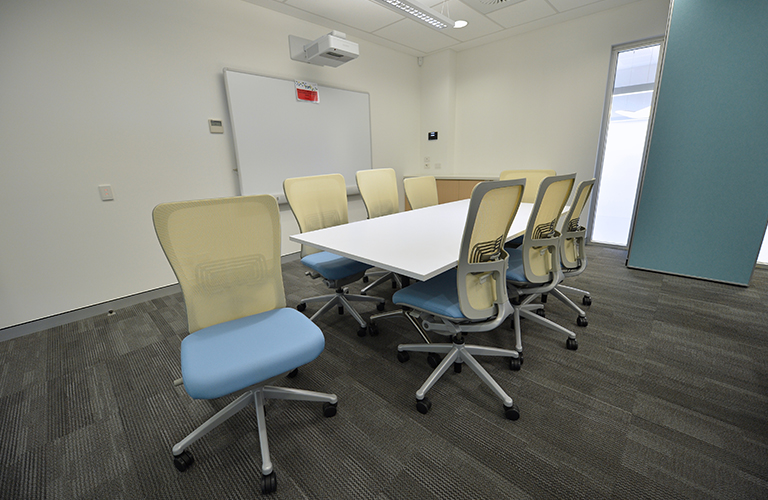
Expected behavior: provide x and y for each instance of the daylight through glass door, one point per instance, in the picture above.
(623, 142)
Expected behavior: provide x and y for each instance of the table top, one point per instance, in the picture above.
(419, 243)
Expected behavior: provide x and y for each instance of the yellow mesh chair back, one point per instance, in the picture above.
(541, 241)
(572, 251)
(317, 202)
(482, 259)
(532, 178)
(420, 191)
(226, 255)
(378, 188)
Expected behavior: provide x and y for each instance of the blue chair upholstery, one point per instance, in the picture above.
(226, 255)
(228, 357)
(334, 267)
(470, 298)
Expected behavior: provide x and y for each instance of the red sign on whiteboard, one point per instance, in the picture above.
(306, 91)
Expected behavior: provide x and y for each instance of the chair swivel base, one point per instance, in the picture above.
(581, 319)
(457, 354)
(183, 459)
(342, 300)
(535, 313)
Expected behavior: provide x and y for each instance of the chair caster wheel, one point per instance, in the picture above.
(582, 321)
(540, 312)
(269, 483)
(373, 330)
(362, 331)
(329, 409)
(365, 279)
(423, 405)
(341, 309)
(457, 368)
(571, 344)
(586, 300)
(516, 363)
(433, 359)
(403, 356)
(301, 306)
(394, 285)
(512, 412)
(543, 298)
(380, 306)
(183, 461)
(293, 373)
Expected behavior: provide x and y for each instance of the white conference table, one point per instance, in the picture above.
(419, 243)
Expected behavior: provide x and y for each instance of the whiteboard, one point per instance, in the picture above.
(277, 136)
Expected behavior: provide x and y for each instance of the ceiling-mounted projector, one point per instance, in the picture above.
(332, 49)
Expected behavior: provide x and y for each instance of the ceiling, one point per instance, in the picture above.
(489, 20)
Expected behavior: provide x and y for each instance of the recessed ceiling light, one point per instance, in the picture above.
(460, 23)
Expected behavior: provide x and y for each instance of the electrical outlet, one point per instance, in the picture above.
(105, 190)
(438, 166)
(426, 166)
(426, 159)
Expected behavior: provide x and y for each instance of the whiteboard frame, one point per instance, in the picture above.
(284, 149)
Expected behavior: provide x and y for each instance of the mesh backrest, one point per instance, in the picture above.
(226, 255)
(378, 188)
(532, 178)
(420, 191)
(317, 202)
(541, 242)
(482, 260)
(572, 251)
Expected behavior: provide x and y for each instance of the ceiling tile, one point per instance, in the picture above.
(360, 14)
(486, 6)
(563, 5)
(521, 13)
(478, 26)
(416, 36)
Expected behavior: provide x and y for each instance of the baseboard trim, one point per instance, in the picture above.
(37, 325)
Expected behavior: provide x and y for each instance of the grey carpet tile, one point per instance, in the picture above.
(666, 398)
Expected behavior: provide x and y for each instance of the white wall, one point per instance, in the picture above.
(536, 100)
(109, 91)
(117, 92)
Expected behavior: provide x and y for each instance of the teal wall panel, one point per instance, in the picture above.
(704, 201)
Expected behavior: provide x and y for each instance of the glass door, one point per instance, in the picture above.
(623, 138)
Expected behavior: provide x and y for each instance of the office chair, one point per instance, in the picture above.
(226, 255)
(378, 188)
(534, 267)
(420, 191)
(573, 257)
(472, 297)
(532, 178)
(317, 202)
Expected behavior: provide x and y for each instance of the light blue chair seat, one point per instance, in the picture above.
(515, 267)
(437, 295)
(228, 357)
(334, 267)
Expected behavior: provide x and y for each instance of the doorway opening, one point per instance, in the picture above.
(622, 140)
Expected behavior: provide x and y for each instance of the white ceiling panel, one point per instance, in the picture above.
(417, 36)
(479, 25)
(360, 14)
(489, 20)
(522, 13)
(563, 5)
